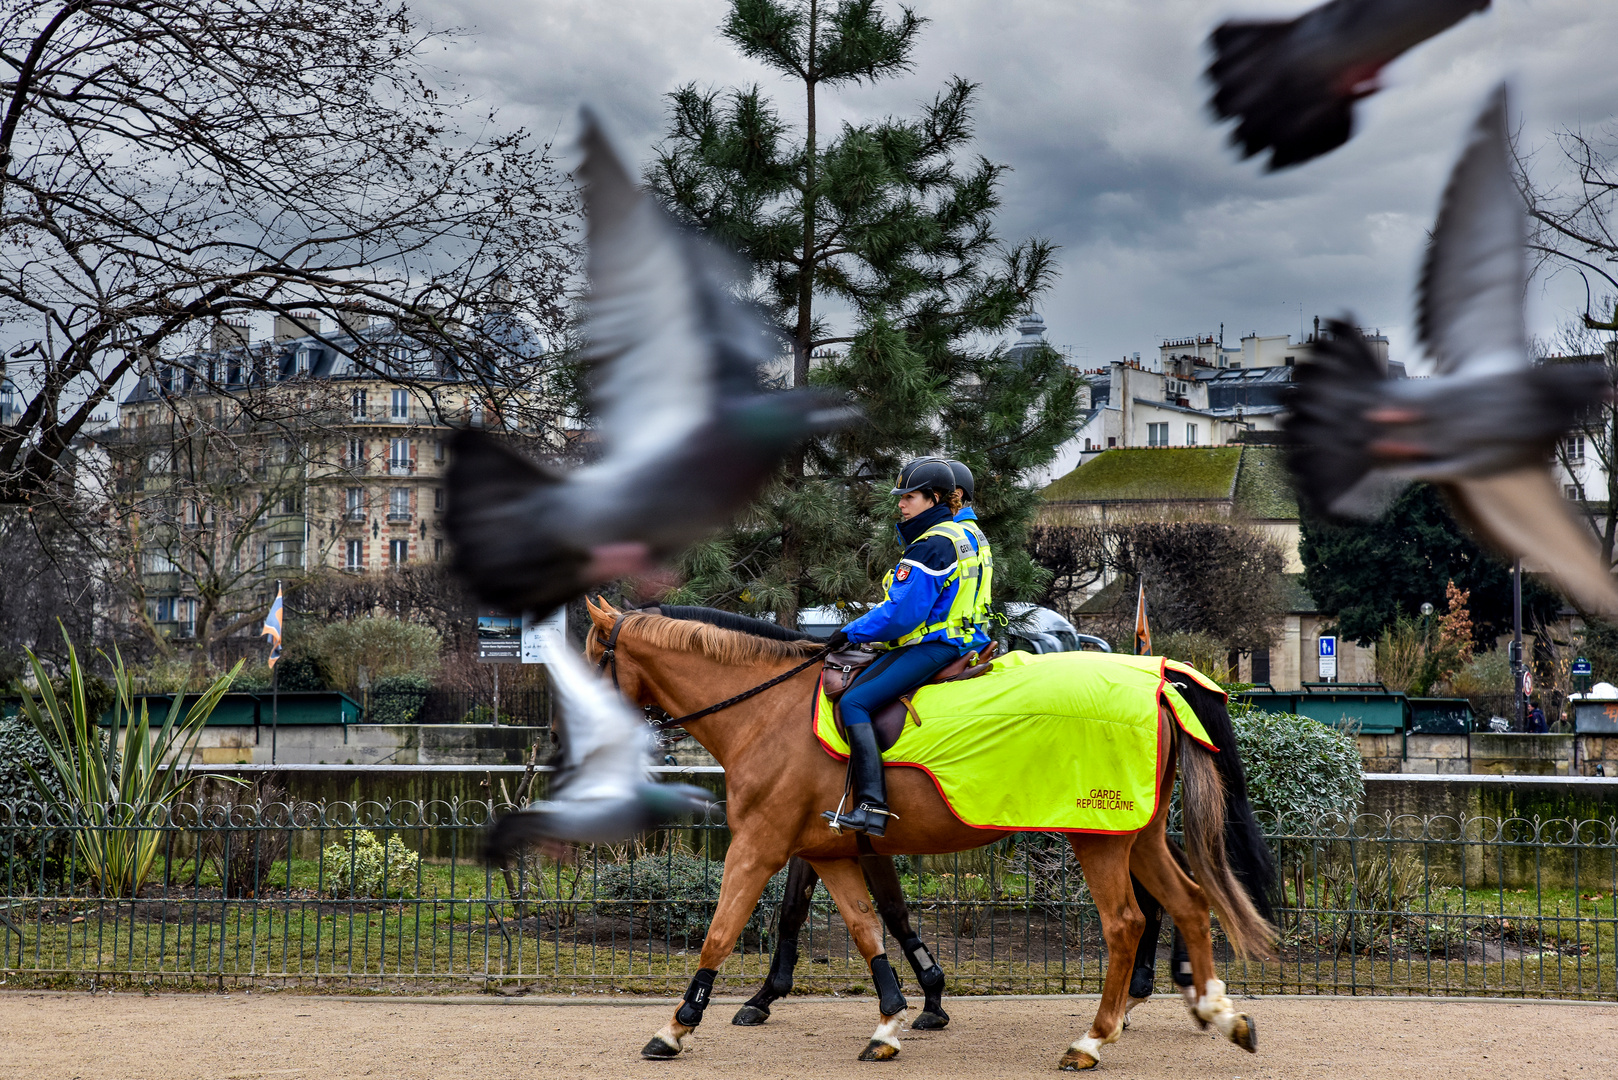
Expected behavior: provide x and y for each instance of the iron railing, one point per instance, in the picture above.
(395, 896)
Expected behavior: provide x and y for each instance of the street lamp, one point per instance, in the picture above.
(1426, 641)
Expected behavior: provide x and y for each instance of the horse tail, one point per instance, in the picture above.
(1203, 799)
(1245, 849)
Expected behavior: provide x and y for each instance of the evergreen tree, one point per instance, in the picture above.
(1369, 574)
(891, 222)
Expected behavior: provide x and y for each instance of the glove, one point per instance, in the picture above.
(838, 640)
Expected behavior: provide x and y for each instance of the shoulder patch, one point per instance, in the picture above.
(902, 573)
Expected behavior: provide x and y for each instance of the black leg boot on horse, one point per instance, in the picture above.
(888, 893)
(869, 788)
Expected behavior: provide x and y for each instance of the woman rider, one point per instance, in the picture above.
(968, 518)
(926, 620)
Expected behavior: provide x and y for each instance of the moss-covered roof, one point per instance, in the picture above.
(1263, 487)
(1156, 474)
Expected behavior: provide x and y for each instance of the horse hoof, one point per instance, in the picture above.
(750, 1016)
(658, 1050)
(1076, 1061)
(931, 1021)
(1245, 1033)
(879, 1051)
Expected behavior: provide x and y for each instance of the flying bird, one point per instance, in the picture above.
(603, 792)
(690, 432)
(1291, 86)
(1485, 425)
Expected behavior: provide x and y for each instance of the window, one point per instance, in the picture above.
(399, 409)
(357, 403)
(286, 552)
(292, 504)
(1112, 441)
(1574, 492)
(1574, 444)
(1157, 434)
(438, 499)
(1191, 434)
(356, 504)
(158, 562)
(354, 557)
(399, 504)
(302, 359)
(1087, 445)
(1261, 666)
(164, 608)
(355, 459)
(399, 456)
(438, 550)
(398, 552)
(438, 451)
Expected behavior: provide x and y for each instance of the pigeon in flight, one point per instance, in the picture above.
(603, 792)
(1484, 426)
(690, 434)
(1292, 85)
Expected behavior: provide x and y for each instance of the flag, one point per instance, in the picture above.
(272, 627)
(1143, 632)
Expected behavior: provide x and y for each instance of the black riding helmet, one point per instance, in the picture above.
(925, 474)
(963, 478)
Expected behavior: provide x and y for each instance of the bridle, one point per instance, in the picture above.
(609, 656)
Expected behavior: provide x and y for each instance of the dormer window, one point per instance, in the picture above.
(303, 360)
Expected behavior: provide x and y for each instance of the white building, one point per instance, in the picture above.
(1195, 391)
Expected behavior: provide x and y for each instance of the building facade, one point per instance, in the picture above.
(257, 461)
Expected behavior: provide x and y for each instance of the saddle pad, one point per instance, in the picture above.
(1064, 742)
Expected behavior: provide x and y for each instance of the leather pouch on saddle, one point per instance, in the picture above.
(889, 721)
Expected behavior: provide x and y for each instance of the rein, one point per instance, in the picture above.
(609, 655)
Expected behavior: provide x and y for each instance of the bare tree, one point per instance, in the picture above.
(166, 164)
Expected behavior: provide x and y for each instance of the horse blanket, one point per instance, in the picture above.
(1062, 742)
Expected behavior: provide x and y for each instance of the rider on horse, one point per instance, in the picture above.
(968, 519)
(929, 618)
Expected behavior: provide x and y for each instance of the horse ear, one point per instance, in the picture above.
(601, 613)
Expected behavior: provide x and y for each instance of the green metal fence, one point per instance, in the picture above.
(394, 897)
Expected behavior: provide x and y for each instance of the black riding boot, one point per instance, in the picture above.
(870, 814)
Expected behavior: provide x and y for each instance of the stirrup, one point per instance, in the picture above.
(835, 818)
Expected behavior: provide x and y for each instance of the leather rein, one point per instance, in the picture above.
(609, 655)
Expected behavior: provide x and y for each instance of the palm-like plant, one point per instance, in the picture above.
(115, 799)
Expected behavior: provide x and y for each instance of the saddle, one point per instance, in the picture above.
(843, 667)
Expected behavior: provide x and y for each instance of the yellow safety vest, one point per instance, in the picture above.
(980, 611)
(960, 620)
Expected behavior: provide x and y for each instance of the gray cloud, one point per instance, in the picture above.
(1099, 109)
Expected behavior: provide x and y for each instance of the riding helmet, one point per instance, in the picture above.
(925, 474)
(963, 478)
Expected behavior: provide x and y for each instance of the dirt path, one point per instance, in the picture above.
(204, 1037)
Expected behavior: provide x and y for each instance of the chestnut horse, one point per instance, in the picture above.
(778, 779)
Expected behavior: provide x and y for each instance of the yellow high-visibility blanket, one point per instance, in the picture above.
(1062, 742)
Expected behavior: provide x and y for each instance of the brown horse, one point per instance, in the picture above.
(778, 780)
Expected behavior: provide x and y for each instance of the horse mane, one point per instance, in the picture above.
(724, 636)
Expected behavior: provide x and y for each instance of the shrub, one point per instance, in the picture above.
(236, 840)
(397, 699)
(366, 868)
(1202, 651)
(1297, 767)
(28, 855)
(384, 647)
(674, 894)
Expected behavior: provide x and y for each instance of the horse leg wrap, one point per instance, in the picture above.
(696, 997)
(889, 1000)
(928, 974)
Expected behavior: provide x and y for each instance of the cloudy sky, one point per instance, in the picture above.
(1098, 108)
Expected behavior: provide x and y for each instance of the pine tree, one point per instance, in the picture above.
(891, 221)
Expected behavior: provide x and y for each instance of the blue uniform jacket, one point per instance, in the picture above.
(918, 594)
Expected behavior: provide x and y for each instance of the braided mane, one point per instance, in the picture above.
(719, 635)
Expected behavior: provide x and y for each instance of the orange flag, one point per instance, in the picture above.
(1143, 632)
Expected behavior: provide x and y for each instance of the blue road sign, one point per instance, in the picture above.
(1581, 666)
(1328, 646)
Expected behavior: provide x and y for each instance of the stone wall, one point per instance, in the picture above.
(1486, 753)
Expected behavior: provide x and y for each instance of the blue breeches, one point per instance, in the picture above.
(893, 675)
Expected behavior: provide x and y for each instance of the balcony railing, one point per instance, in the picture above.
(401, 468)
(399, 515)
(356, 515)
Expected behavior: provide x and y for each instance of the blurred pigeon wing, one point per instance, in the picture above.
(1523, 514)
(644, 315)
(605, 743)
(1470, 302)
